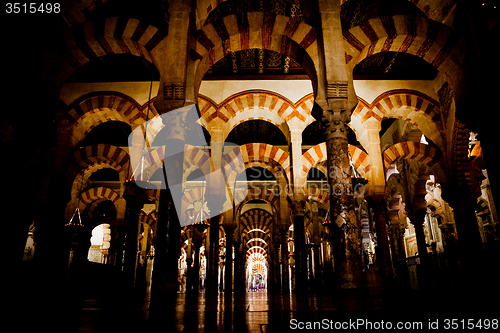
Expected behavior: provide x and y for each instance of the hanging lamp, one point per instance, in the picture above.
(77, 210)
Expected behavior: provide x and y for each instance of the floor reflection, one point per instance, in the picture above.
(263, 312)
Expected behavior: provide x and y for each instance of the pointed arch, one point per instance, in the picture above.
(430, 40)
(423, 153)
(257, 193)
(255, 152)
(409, 105)
(98, 193)
(102, 153)
(255, 105)
(112, 35)
(317, 154)
(94, 109)
(256, 219)
(256, 30)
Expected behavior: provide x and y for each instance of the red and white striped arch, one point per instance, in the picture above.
(317, 154)
(113, 35)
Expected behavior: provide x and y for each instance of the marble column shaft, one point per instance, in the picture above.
(316, 246)
(239, 285)
(134, 206)
(228, 283)
(168, 230)
(213, 254)
(285, 282)
(299, 244)
(276, 265)
(469, 239)
(383, 251)
(194, 275)
(418, 222)
(344, 221)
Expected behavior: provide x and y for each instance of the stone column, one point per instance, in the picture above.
(190, 273)
(275, 264)
(449, 235)
(164, 281)
(213, 249)
(239, 285)
(270, 268)
(469, 239)
(394, 229)
(337, 98)
(168, 231)
(46, 205)
(327, 255)
(53, 244)
(342, 214)
(318, 269)
(424, 267)
(228, 282)
(299, 208)
(79, 241)
(196, 241)
(418, 222)
(316, 247)
(370, 139)
(285, 282)
(310, 268)
(136, 198)
(398, 252)
(175, 91)
(379, 205)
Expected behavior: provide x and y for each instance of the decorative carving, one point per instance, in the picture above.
(299, 207)
(273, 59)
(337, 95)
(223, 63)
(274, 7)
(175, 124)
(234, 61)
(337, 89)
(286, 67)
(173, 91)
(335, 123)
(247, 58)
(261, 61)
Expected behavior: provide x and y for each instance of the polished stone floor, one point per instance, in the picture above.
(371, 305)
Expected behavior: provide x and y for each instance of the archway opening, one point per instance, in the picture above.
(394, 66)
(316, 175)
(287, 70)
(99, 244)
(260, 131)
(256, 272)
(110, 68)
(115, 133)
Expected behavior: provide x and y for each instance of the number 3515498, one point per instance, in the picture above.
(32, 8)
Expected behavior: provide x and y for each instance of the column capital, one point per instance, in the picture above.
(215, 204)
(418, 217)
(335, 123)
(136, 195)
(175, 123)
(299, 207)
(229, 230)
(283, 233)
